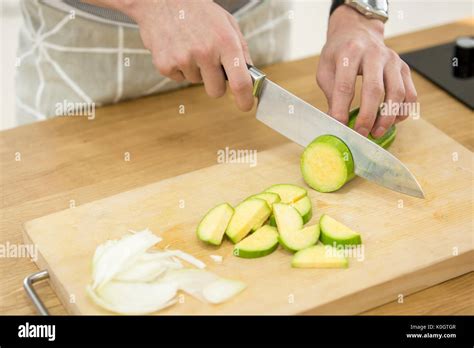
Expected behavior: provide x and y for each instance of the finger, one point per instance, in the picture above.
(410, 94)
(177, 76)
(243, 42)
(188, 67)
(240, 82)
(394, 96)
(325, 77)
(214, 80)
(372, 94)
(343, 89)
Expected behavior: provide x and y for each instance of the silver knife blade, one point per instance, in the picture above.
(302, 123)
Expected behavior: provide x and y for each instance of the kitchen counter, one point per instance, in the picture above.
(71, 160)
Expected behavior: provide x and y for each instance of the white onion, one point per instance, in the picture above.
(222, 289)
(191, 281)
(127, 279)
(134, 298)
(119, 255)
(216, 258)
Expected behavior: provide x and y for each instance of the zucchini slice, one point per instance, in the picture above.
(305, 208)
(261, 243)
(247, 215)
(287, 192)
(213, 225)
(384, 141)
(319, 256)
(335, 233)
(268, 197)
(299, 239)
(287, 218)
(327, 164)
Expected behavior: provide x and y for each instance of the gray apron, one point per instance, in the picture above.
(71, 54)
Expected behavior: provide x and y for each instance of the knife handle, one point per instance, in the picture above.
(257, 79)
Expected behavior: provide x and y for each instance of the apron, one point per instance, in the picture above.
(71, 53)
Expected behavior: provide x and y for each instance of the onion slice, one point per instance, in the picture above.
(221, 290)
(133, 298)
(191, 281)
(120, 254)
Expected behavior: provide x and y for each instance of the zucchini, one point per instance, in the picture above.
(268, 197)
(305, 208)
(213, 225)
(299, 239)
(246, 216)
(335, 233)
(319, 256)
(287, 192)
(327, 164)
(385, 140)
(261, 243)
(287, 218)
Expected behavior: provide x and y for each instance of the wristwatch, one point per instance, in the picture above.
(374, 9)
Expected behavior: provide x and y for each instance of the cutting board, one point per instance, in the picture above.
(409, 243)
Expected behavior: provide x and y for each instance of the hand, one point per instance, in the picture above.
(355, 47)
(193, 40)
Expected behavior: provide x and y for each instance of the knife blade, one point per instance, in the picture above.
(302, 123)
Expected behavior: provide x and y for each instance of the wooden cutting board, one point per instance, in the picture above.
(409, 243)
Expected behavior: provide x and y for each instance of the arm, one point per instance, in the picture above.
(192, 40)
(354, 47)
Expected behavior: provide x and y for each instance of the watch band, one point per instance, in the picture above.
(374, 9)
(335, 4)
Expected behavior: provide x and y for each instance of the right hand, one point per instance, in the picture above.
(193, 40)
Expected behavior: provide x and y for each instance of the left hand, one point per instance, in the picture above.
(355, 47)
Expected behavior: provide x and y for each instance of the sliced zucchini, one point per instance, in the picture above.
(247, 215)
(287, 218)
(299, 239)
(327, 164)
(287, 192)
(272, 221)
(385, 140)
(213, 225)
(305, 208)
(319, 256)
(261, 243)
(335, 233)
(268, 197)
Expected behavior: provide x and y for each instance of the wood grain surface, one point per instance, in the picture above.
(74, 161)
(408, 243)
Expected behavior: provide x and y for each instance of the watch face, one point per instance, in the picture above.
(380, 5)
(372, 8)
(373, 5)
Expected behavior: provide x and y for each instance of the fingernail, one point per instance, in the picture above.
(363, 131)
(379, 132)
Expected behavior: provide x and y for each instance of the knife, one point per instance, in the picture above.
(302, 123)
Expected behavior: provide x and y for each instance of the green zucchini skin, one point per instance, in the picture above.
(254, 254)
(343, 152)
(326, 236)
(384, 141)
